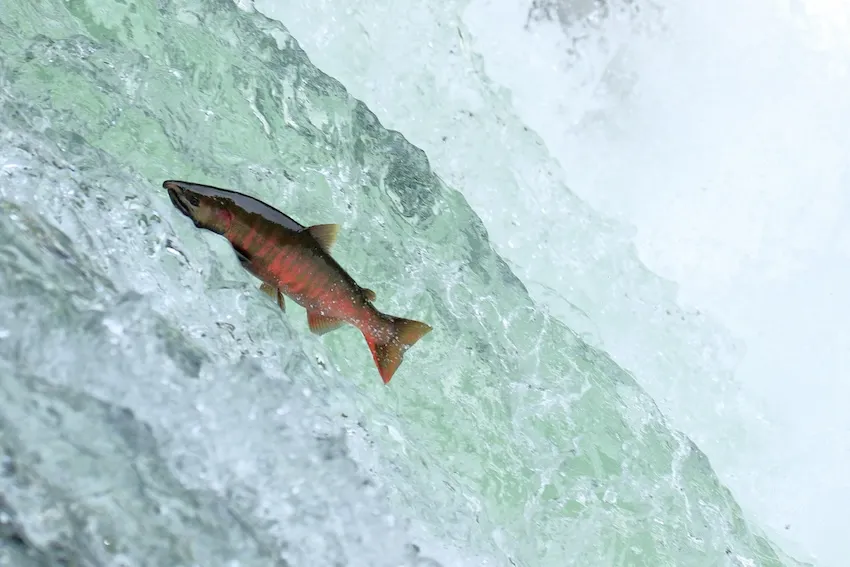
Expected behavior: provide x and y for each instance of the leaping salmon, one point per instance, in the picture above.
(293, 260)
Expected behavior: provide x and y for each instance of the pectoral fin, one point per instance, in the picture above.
(245, 262)
(274, 293)
(243, 259)
(319, 324)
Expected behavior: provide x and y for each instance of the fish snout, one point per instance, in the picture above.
(183, 200)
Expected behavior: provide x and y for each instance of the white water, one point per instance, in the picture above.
(731, 159)
(724, 142)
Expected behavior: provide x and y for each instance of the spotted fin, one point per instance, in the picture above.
(274, 293)
(319, 324)
(325, 235)
(388, 354)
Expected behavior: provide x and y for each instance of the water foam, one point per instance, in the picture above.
(512, 435)
(727, 148)
(705, 198)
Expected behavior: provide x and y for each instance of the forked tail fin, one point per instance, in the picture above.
(388, 355)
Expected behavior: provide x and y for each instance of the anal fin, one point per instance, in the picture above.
(320, 324)
(274, 293)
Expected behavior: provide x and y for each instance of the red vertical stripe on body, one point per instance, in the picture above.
(266, 248)
(274, 263)
(248, 238)
(287, 263)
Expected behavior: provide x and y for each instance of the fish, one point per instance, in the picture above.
(292, 260)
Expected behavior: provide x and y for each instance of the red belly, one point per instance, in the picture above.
(313, 284)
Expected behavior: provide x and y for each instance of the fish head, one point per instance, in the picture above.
(201, 204)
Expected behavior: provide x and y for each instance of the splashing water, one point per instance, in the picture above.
(161, 411)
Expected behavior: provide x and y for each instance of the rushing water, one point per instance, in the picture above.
(158, 410)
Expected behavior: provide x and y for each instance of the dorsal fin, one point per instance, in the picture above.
(370, 295)
(325, 235)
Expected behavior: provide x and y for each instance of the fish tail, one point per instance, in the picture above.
(388, 354)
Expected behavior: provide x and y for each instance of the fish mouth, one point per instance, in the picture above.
(179, 201)
(177, 194)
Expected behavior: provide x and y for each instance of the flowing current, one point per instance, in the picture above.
(158, 410)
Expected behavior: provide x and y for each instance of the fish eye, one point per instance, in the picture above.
(193, 200)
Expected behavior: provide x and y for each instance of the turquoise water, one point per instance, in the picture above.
(203, 426)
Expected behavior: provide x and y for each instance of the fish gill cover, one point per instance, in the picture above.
(158, 410)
